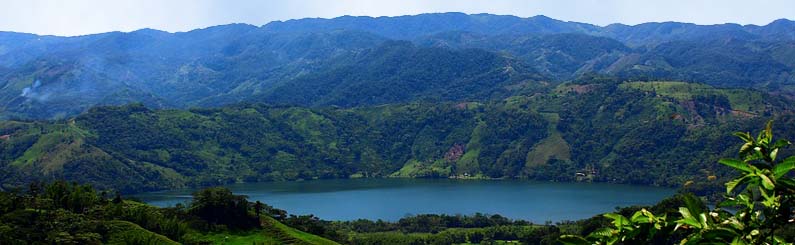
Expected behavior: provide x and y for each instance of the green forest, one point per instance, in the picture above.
(757, 209)
(594, 122)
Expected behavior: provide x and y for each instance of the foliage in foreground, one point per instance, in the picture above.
(758, 206)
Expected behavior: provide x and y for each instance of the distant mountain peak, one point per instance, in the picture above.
(543, 17)
(150, 31)
(782, 22)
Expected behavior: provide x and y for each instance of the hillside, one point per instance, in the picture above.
(592, 123)
(60, 212)
(399, 72)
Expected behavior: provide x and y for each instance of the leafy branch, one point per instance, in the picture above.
(757, 203)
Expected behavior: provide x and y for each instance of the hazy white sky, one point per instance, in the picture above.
(76, 17)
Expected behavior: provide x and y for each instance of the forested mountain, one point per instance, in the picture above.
(162, 69)
(395, 59)
(432, 95)
(401, 72)
(654, 133)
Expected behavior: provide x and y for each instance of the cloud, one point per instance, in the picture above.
(76, 17)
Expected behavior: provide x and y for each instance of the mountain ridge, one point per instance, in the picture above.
(236, 63)
(781, 22)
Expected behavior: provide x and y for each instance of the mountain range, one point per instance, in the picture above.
(363, 61)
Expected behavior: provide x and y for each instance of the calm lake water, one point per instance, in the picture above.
(391, 199)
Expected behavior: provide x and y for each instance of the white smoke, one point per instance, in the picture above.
(33, 93)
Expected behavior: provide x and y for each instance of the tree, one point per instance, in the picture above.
(217, 205)
(762, 196)
(258, 206)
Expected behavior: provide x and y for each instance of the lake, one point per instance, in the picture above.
(392, 199)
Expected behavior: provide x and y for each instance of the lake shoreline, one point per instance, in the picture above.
(393, 198)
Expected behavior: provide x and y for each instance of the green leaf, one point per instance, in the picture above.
(773, 155)
(766, 182)
(738, 241)
(702, 218)
(780, 240)
(573, 240)
(769, 130)
(687, 219)
(602, 233)
(730, 185)
(784, 167)
(768, 200)
(736, 164)
(618, 220)
(694, 238)
(786, 183)
(694, 204)
(725, 234)
(746, 148)
(781, 143)
(744, 136)
(642, 216)
(734, 223)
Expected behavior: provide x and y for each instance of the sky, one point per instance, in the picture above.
(80, 17)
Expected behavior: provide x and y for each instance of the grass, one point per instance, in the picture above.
(396, 237)
(123, 232)
(247, 238)
(59, 139)
(289, 235)
(408, 169)
(551, 147)
(272, 232)
(740, 99)
(673, 89)
(468, 163)
(414, 168)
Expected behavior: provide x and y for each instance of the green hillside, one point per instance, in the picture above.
(63, 213)
(595, 123)
(272, 232)
(741, 100)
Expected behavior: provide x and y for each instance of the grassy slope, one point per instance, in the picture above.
(60, 138)
(289, 235)
(272, 232)
(123, 232)
(552, 147)
(397, 237)
(740, 99)
(250, 237)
